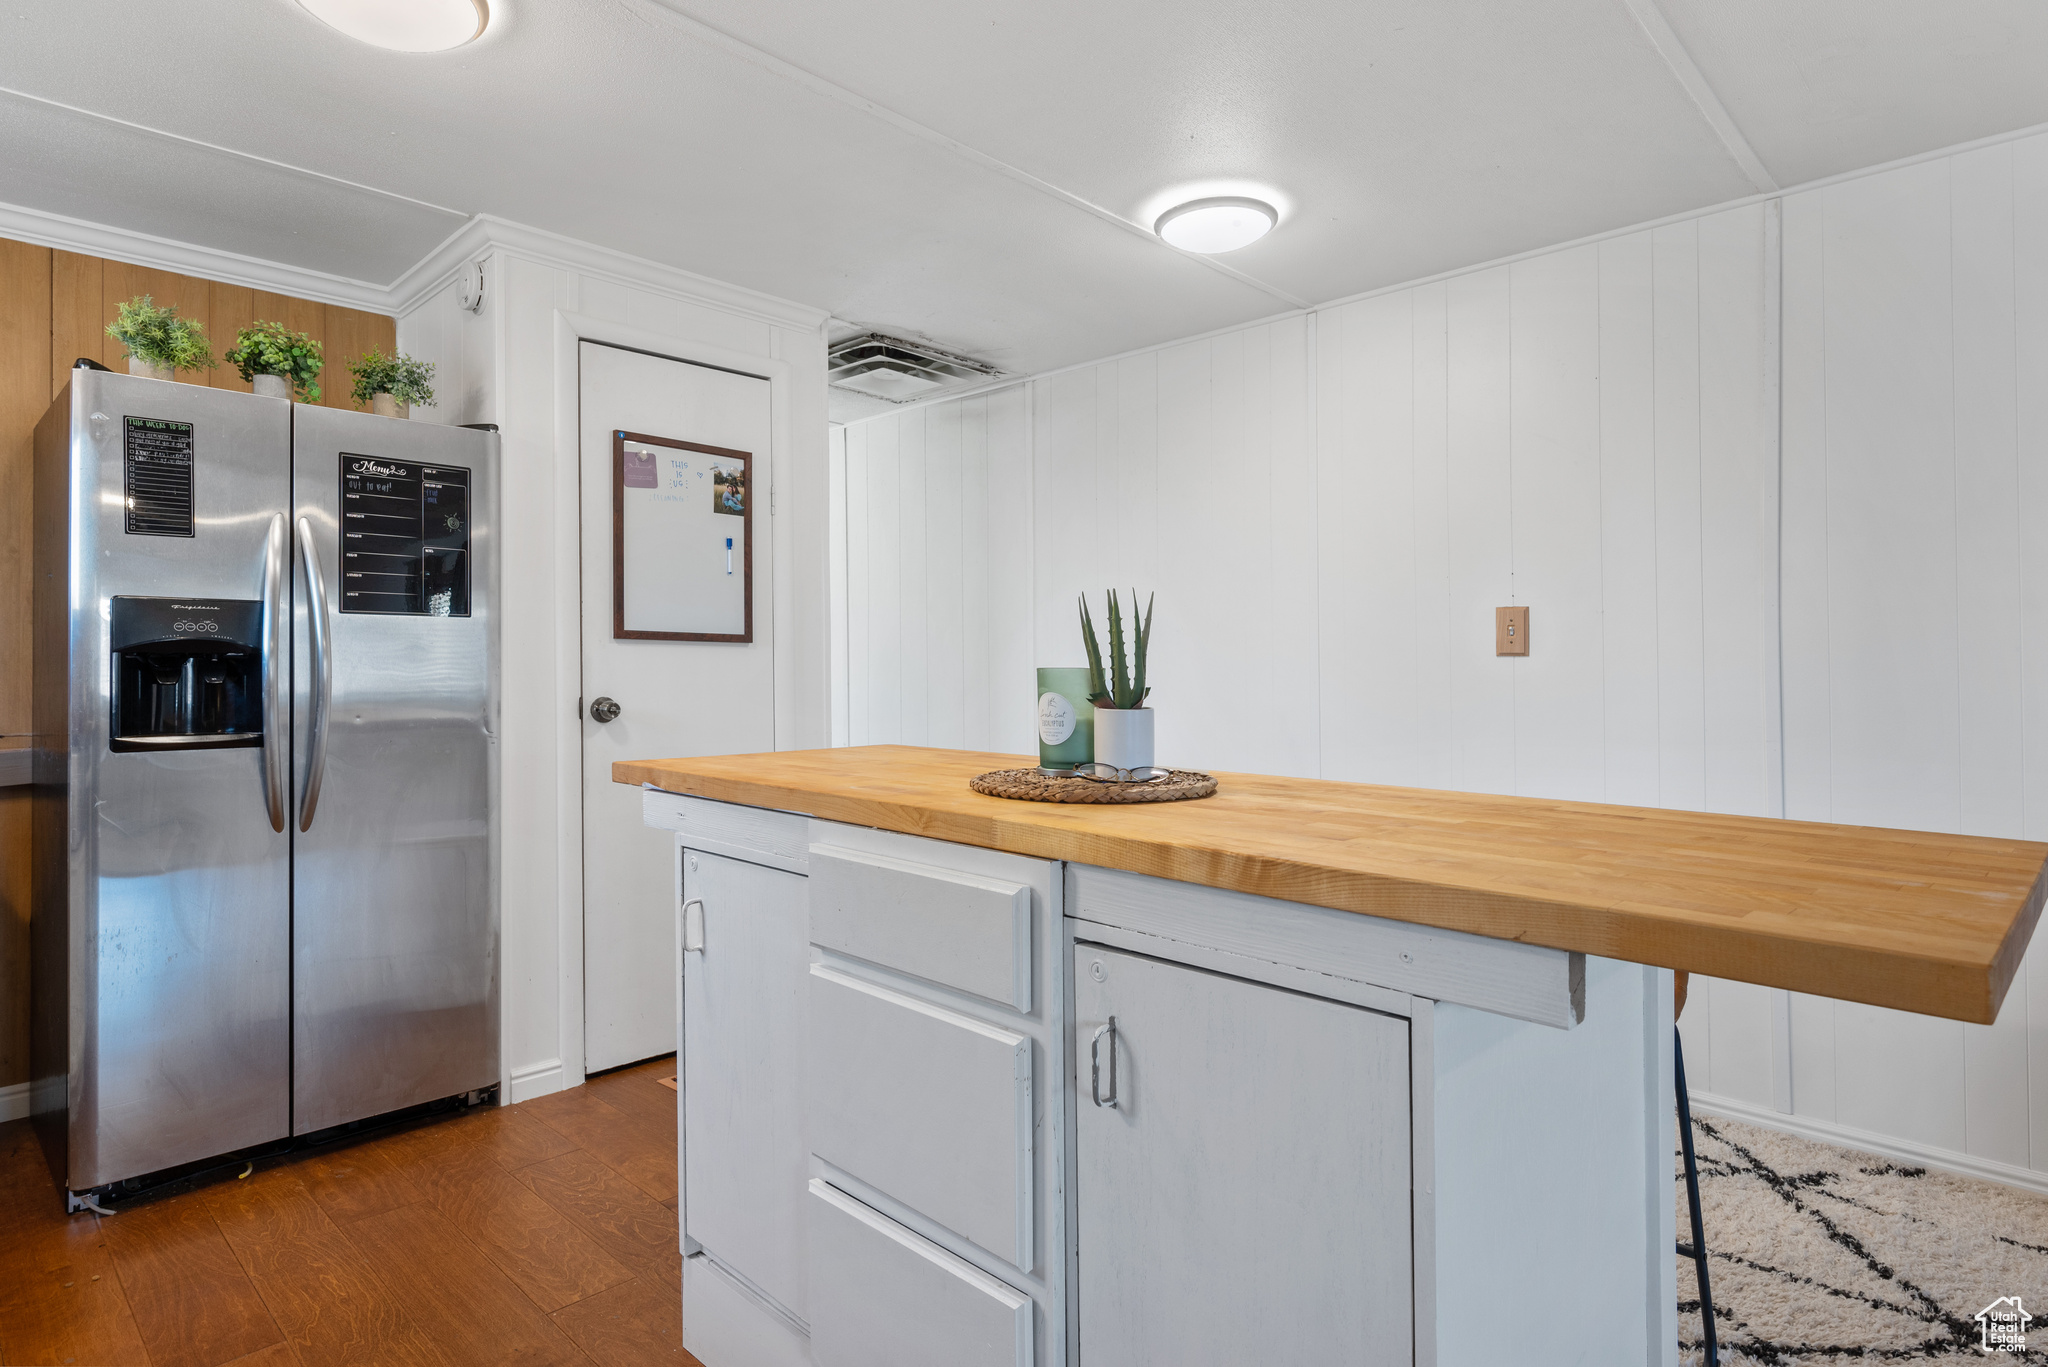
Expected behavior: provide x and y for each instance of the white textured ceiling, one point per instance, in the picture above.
(970, 171)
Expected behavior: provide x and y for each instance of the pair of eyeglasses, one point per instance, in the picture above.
(1109, 773)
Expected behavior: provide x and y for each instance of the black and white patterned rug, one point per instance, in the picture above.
(1824, 1256)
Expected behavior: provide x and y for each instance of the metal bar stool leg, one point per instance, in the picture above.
(1697, 1250)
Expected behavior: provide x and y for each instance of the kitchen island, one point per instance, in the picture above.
(1304, 1072)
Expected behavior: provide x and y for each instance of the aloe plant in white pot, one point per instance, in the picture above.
(1123, 724)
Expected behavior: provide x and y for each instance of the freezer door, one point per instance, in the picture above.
(395, 932)
(160, 924)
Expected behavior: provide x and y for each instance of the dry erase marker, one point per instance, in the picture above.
(728, 555)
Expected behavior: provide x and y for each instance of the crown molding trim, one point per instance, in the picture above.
(480, 236)
(486, 233)
(162, 253)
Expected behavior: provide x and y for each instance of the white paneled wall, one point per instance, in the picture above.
(938, 547)
(1585, 433)
(1916, 482)
(1190, 472)
(1330, 507)
(508, 365)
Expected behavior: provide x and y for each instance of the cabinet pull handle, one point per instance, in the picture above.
(693, 926)
(1095, 1063)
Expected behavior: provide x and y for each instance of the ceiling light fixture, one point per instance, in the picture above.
(405, 25)
(1214, 226)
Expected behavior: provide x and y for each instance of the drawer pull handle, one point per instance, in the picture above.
(693, 926)
(1095, 1063)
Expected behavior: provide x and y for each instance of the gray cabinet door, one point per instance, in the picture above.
(1246, 1197)
(744, 1157)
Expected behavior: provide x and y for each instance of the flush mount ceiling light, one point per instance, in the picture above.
(405, 25)
(1213, 226)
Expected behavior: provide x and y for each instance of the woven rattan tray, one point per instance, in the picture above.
(1030, 785)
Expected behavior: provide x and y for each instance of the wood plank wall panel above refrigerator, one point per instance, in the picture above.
(73, 324)
(24, 392)
(54, 308)
(85, 292)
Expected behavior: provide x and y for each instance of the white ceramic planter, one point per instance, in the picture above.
(384, 406)
(272, 386)
(150, 370)
(1123, 737)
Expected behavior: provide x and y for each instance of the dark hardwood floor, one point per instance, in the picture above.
(537, 1234)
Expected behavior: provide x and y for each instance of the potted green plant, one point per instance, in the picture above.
(159, 342)
(392, 385)
(280, 363)
(1123, 724)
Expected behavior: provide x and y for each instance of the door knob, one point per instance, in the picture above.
(603, 710)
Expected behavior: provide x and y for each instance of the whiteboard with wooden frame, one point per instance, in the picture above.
(682, 540)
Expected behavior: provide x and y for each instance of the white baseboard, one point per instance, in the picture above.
(1883, 1145)
(536, 1079)
(14, 1102)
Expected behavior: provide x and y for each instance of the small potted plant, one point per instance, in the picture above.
(159, 342)
(1123, 724)
(279, 363)
(392, 385)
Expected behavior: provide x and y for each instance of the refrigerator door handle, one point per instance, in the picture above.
(323, 674)
(276, 764)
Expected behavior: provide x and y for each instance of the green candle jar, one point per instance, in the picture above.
(1066, 719)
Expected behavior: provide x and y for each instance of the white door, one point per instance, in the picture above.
(674, 698)
(745, 1162)
(1243, 1183)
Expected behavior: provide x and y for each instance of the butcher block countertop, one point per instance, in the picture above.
(1906, 919)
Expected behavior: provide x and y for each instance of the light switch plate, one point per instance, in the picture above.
(1511, 631)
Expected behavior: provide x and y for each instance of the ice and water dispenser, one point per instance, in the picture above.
(188, 675)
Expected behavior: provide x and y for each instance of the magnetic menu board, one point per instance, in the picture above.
(158, 455)
(682, 540)
(404, 537)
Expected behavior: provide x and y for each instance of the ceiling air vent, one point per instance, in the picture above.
(899, 371)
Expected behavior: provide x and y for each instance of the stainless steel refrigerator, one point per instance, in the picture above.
(266, 699)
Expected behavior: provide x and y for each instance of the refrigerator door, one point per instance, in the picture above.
(395, 929)
(161, 925)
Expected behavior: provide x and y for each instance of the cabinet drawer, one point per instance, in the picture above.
(884, 1297)
(961, 930)
(924, 1104)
